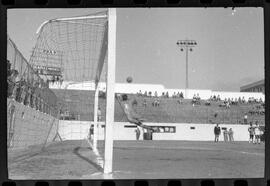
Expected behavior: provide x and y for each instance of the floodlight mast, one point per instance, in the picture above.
(186, 45)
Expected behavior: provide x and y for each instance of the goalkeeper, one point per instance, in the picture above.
(132, 116)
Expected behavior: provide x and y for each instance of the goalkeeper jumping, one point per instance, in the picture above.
(132, 116)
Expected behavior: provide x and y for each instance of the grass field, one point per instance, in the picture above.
(142, 159)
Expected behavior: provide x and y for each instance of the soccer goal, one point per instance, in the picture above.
(82, 49)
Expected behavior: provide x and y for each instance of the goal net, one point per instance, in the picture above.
(76, 56)
(31, 110)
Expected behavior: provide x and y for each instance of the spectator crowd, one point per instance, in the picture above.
(30, 91)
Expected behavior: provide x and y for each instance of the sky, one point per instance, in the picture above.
(229, 51)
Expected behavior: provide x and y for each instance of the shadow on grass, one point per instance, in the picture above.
(76, 152)
(25, 154)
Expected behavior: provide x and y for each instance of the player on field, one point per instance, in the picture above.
(257, 134)
(132, 116)
(91, 132)
(217, 132)
(251, 133)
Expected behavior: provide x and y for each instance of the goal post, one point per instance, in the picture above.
(110, 92)
(95, 134)
(82, 50)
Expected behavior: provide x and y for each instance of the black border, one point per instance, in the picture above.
(6, 4)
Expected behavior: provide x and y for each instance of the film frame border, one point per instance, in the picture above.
(10, 4)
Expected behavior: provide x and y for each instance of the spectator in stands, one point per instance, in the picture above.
(217, 132)
(180, 101)
(239, 100)
(134, 102)
(218, 98)
(230, 133)
(225, 101)
(167, 94)
(198, 97)
(27, 95)
(154, 103)
(251, 133)
(156, 95)
(23, 90)
(207, 103)
(158, 102)
(228, 105)
(235, 101)
(32, 98)
(243, 100)
(225, 134)
(150, 94)
(144, 103)
(13, 81)
(181, 95)
(245, 118)
(145, 93)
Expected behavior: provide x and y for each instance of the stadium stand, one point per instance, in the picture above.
(170, 110)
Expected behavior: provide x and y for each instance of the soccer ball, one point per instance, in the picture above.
(129, 79)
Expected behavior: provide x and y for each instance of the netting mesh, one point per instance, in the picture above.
(31, 109)
(74, 45)
(77, 47)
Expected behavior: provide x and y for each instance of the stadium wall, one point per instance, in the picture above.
(28, 126)
(75, 130)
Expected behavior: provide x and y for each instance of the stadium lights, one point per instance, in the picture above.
(186, 45)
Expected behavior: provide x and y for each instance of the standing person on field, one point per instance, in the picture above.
(98, 114)
(91, 132)
(230, 133)
(225, 134)
(257, 134)
(217, 132)
(251, 133)
(138, 133)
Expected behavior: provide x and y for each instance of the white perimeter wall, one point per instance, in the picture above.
(202, 132)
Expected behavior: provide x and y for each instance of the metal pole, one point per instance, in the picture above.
(108, 153)
(186, 72)
(95, 120)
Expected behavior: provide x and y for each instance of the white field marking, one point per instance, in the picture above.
(197, 148)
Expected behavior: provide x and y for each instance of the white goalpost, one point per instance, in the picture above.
(110, 91)
(84, 49)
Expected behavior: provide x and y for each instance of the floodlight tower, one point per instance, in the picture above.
(186, 45)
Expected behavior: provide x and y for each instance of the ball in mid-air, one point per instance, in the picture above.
(129, 79)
